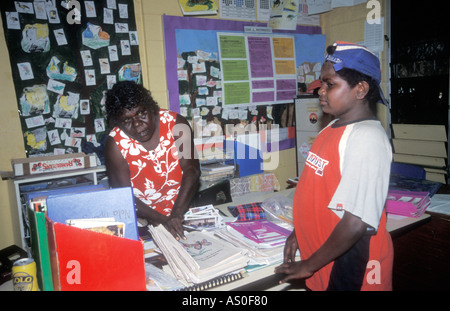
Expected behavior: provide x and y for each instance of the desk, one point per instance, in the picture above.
(264, 278)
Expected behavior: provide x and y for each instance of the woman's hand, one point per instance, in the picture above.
(174, 225)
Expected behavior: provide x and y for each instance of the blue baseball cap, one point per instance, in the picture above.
(359, 58)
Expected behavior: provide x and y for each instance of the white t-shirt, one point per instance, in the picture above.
(364, 151)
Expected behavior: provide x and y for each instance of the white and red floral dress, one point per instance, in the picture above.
(155, 174)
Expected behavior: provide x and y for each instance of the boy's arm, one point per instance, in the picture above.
(346, 233)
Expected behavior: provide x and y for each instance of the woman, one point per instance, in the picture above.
(151, 150)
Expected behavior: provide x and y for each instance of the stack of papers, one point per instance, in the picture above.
(203, 218)
(199, 258)
(257, 256)
(259, 233)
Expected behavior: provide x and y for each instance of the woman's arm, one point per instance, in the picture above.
(190, 166)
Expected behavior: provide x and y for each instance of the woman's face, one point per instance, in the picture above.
(138, 123)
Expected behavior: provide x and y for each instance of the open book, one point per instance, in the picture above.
(199, 258)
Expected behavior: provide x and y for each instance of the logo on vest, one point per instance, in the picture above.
(316, 163)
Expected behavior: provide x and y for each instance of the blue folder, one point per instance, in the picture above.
(117, 203)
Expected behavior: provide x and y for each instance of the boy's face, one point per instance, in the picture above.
(336, 96)
(138, 123)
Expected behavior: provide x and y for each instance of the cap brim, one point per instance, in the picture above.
(383, 99)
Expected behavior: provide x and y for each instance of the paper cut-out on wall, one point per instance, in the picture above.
(130, 72)
(66, 106)
(34, 100)
(35, 38)
(54, 71)
(94, 37)
(36, 139)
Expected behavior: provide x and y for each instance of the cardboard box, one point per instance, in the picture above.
(56, 163)
(84, 260)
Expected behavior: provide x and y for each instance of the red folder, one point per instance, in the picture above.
(90, 261)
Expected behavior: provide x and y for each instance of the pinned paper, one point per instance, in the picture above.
(25, 71)
(90, 9)
(108, 16)
(60, 36)
(104, 65)
(125, 47)
(85, 107)
(99, 125)
(110, 81)
(12, 20)
(113, 54)
(123, 10)
(121, 27)
(55, 86)
(89, 75)
(53, 137)
(24, 7)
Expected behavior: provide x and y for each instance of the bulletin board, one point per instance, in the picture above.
(194, 77)
(62, 60)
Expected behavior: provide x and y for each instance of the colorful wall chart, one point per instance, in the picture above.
(257, 69)
(62, 60)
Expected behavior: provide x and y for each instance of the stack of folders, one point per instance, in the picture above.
(199, 258)
(407, 203)
(215, 171)
(262, 240)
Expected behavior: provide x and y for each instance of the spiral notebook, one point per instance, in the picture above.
(218, 281)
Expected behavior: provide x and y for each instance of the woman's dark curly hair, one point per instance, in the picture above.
(353, 77)
(127, 95)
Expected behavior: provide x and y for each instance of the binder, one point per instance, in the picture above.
(38, 230)
(117, 203)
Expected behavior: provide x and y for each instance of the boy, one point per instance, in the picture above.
(339, 217)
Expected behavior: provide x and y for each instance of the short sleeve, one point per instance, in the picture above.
(366, 156)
